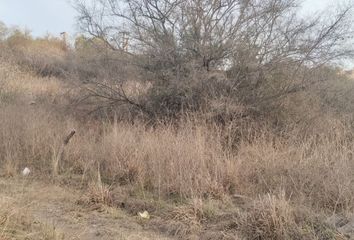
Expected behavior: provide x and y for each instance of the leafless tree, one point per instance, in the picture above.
(265, 47)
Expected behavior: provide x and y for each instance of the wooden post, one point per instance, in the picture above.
(59, 156)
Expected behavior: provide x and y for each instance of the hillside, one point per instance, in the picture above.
(199, 128)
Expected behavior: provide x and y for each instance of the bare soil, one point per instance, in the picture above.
(57, 207)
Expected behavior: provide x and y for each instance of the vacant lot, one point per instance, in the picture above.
(191, 177)
(216, 121)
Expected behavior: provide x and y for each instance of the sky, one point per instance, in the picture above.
(55, 16)
(39, 16)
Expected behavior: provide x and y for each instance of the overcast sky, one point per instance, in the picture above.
(55, 16)
(39, 16)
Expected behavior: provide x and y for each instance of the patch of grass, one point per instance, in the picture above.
(17, 223)
(274, 217)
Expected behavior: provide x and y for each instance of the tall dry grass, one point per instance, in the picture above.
(18, 85)
(308, 165)
(284, 176)
(190, 161)
(316, 170)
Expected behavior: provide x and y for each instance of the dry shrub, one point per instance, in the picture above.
(189, 218)
(30, 137)
(8, 72)
(99, 193)
(315, 170)
(185, 163)
(191, 214)
(46, 56)
(271, 218)
(182, 221)
(188, 161)
(274, 217)
(17, 85)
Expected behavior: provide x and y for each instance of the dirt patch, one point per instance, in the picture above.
(57, 207)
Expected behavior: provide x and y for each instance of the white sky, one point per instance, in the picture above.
(39, 16)
(55, 16)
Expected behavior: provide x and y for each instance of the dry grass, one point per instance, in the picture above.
(315, 170)
(191, 162)
(17, 223)
(274, 217)
(18, 85)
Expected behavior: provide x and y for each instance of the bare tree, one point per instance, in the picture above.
(266, 48)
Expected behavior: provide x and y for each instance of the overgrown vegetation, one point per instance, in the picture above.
(231, 117)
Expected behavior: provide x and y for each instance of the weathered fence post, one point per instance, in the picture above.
(59, 156)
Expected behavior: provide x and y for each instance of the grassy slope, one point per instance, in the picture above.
(192, 185)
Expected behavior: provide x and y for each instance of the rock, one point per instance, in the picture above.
(144, 215)
(26, 172)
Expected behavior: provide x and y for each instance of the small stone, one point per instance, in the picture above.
(144, 215)
(26, 172)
